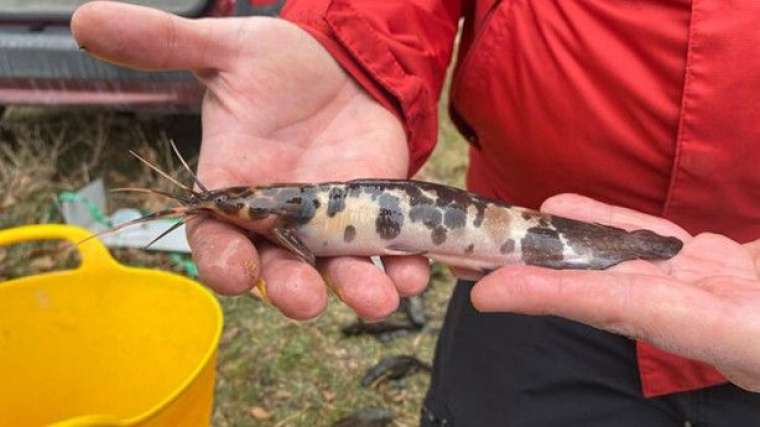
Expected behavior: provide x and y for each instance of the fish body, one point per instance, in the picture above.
(397, 217)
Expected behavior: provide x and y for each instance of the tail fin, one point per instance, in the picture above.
(651, 246)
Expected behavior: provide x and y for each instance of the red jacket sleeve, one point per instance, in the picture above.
(397, 50)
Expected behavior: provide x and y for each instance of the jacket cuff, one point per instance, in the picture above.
(362, 53)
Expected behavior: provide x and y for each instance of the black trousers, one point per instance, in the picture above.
(521, 371)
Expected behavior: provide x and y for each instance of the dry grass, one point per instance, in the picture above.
(271, 371)
(46, 152)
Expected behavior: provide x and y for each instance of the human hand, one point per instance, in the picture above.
(278, 108)
(703, 304)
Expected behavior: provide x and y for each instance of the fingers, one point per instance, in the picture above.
(227, 260)
(668, 313)
(294, 287)
(640, 267)
(586, 209)
(229, 263)
(362, 286)
(713, 255)
(532, 290)
(410, 274)
(145, 38)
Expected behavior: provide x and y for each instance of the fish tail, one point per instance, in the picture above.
(651, 246)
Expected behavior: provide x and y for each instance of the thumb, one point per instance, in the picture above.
(635, 305)
(145, 38)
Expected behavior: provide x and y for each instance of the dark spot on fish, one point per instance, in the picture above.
(542, 247)
(417, 192)
(469, 249)
(354, 189)
(388, 224)
(439, 235)
(260, 207)
(349, 233)
(455, 217)
(449, 195)
(481, 209)
(289, 195)
(429, 215)
(228, 205)
(336, 201)
(543, 222)
(526, 216)
(389, 219)
(297, 204)
(374, 191)
(388, 201)
(416, 196)
(324, 243)
(507, 247)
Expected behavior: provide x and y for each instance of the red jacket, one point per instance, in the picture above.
(650, 104)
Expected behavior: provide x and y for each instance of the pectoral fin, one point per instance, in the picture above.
(288, 240)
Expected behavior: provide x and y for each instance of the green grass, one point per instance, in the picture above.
(271, 371)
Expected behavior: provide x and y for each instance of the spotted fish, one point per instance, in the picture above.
(383, 217)
(371, 217)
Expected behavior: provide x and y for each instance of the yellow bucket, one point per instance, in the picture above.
(104, 344)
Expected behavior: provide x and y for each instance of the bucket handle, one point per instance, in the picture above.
(93, 253)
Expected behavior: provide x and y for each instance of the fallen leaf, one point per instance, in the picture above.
(8, 201)
(260, 413)
(282, 395)
(328, 395)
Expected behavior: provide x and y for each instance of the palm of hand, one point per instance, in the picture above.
(277, 108)
(713, 281)
(701, 304)
(274, 114)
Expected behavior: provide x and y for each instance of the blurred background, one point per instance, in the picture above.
(67, 120)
